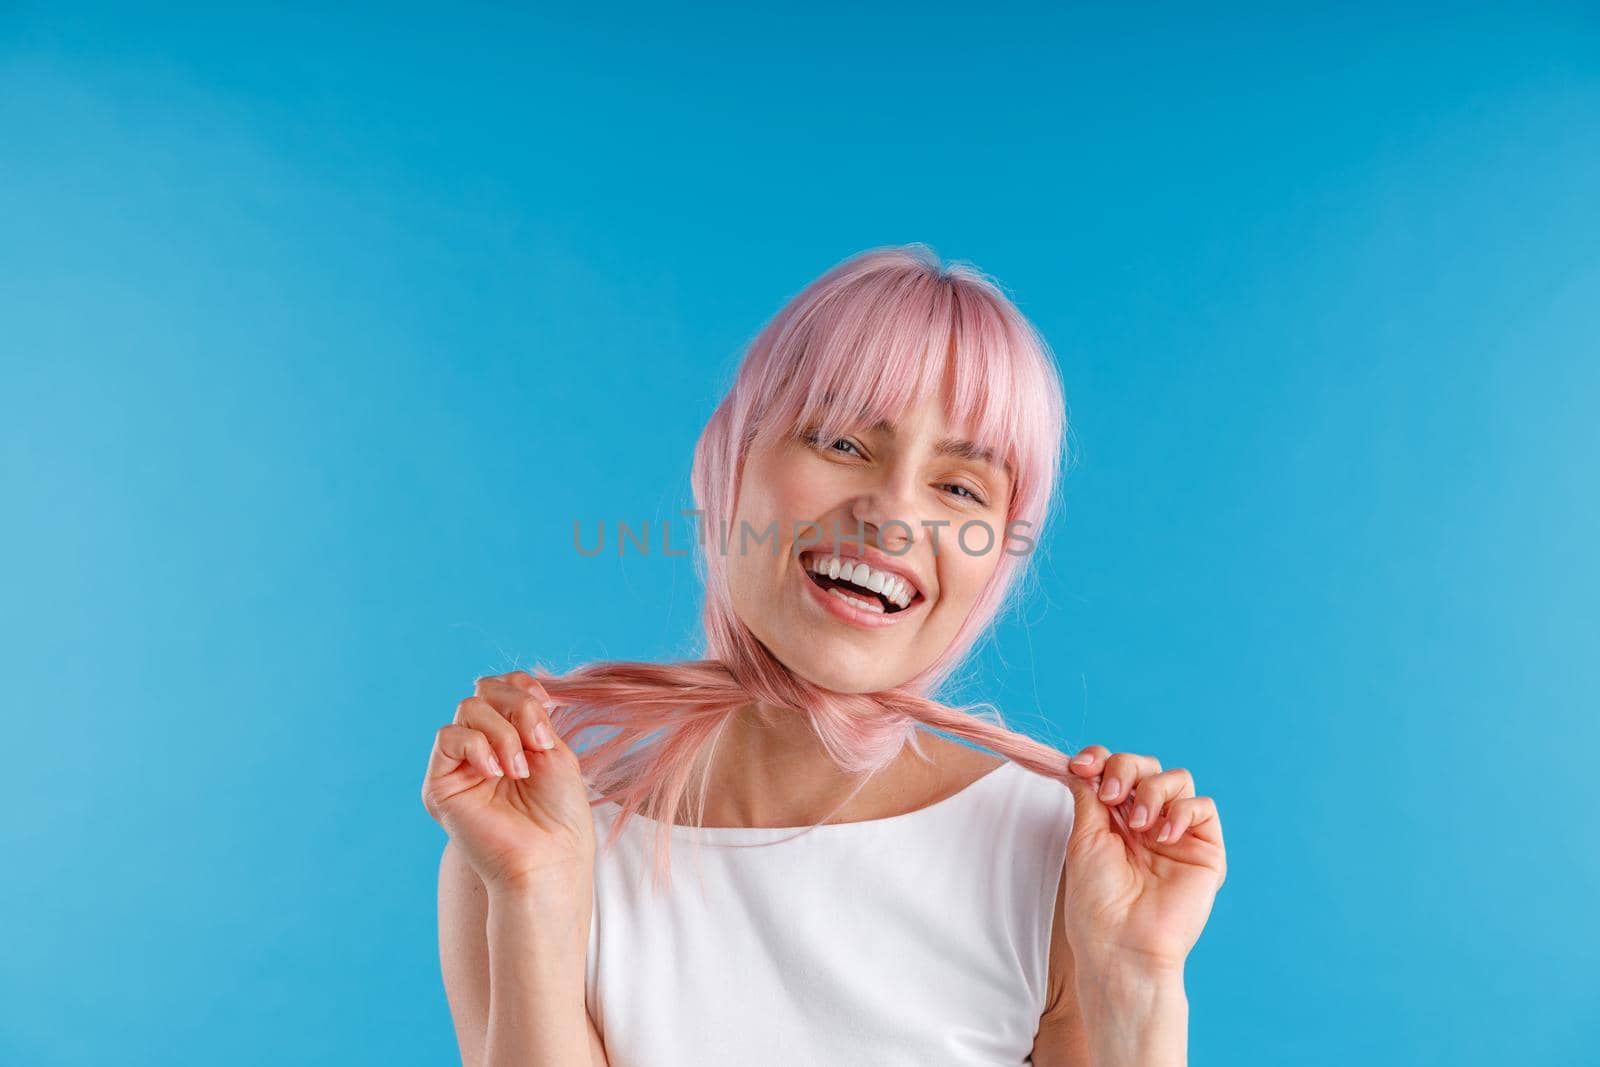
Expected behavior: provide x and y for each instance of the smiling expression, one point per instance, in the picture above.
(902, 485)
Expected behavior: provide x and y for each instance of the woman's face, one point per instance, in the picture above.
(932, 515)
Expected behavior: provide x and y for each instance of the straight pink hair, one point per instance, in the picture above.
(865, 341)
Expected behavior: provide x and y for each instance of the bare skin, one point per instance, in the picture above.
(532, 904)
(771, 770)
(517, 875)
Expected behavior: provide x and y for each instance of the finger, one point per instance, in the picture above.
(456, 744)
(1123, 771)
(480, 714)
(1157, 791)
(547, 705)
(528, 683)
(524, 680)
(1189, 813)
(1089, 816)
(1089, 760)
(525, 710)
(518, 680)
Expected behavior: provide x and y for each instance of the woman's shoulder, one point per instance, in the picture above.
(955, 765)
(953, 768)
(950, 768)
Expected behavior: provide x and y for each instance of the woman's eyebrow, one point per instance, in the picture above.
(950, 446)
(954, 446)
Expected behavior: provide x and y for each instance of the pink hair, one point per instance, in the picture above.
(865, 341)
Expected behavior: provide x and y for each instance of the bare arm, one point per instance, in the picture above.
(1108, 1013)
(1145, 858)
(514, 969)
(1136, 1016)
(1062, 1040)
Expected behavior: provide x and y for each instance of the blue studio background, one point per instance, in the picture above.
(320, 329)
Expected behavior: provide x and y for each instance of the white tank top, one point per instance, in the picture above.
(921, 939)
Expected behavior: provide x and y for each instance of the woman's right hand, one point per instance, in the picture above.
(518, 811)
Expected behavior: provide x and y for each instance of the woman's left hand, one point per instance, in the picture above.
(1134, 895)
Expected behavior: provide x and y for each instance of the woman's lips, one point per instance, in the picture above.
(848, 613)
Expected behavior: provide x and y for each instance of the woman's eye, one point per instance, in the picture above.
(816, 441)
(813, 438)
(974, 497)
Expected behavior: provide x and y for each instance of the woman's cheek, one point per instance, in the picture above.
(965, 581)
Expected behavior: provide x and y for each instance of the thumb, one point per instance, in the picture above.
(1090, 815)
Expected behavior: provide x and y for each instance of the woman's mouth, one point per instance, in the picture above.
(856, 592)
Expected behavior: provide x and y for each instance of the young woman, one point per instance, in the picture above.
(865, 891)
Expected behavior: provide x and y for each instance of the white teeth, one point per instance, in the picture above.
(894, 588)
(862, 604)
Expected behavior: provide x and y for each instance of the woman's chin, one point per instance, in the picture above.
(838, 663)
(845, 678)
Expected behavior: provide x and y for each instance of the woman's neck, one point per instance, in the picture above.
(771, 769)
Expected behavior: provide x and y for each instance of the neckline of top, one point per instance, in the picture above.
(765, 834)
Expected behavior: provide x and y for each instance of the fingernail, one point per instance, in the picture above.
(1110, 789)
(1166, 832)
(520, 762)
(542, 734)
(1083, 761)
(500, 772)
(1139, 815)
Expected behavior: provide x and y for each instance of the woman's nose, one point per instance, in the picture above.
(888, 511)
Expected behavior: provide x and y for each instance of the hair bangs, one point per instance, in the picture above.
(873, 350)
(867, 341)
(981, 382)
(866, 354)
